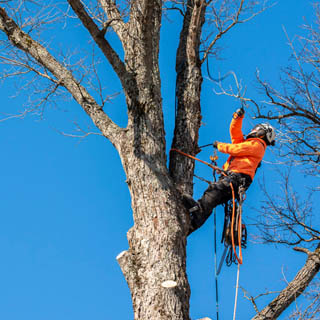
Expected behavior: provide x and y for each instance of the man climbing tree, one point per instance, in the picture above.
(157, 239)
(245, 155)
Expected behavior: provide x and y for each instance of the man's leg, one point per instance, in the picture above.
(216, 194)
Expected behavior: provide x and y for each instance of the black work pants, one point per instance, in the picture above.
(218, 193)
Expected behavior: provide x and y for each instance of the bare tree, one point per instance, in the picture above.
(295, 106)
(155, 263)
(312, 310)
(286, 218)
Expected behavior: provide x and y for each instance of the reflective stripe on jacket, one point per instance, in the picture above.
(245, 155)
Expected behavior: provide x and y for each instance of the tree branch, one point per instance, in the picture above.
(294, 289)
(286, 218)
(253, 299)
(223, 31)
(63, 76)
(98, 36)
(115, 20)
(232, 20)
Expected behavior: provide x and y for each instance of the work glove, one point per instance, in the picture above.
(215, 144)
(239, 112)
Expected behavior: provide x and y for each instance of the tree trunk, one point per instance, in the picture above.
(157, 241)
(188, 91)
(156, 254)
(274, 309)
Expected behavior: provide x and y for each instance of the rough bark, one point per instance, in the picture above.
(157, 241)
(294, 289)
(188, 90)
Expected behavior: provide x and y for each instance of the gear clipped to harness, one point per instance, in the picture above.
(226, 235)
(236, 227)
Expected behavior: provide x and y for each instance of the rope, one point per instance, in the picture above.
(215, 264)
(239, 258)
(204, 162)
(236, 295)
(204, 180)
(214, 162)
(240, 253)
(220, 79)
(206, 145)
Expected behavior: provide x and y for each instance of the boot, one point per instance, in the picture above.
(192, 205)
(194, 209)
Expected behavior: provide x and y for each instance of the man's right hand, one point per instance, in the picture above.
(240, 112)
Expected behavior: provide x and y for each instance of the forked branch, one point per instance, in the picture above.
(63, 76)
(98, 36)
(114, 18)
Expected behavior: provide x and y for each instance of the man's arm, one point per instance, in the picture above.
(246, 148)
(236, 126)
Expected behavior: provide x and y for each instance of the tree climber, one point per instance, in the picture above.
(245, 156)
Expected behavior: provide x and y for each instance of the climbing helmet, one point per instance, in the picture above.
(264, 131)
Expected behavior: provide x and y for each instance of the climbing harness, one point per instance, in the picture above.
(236, 239)
(234, 232)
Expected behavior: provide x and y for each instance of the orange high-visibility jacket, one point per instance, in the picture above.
(245, 155)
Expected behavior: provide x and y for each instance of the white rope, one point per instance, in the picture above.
(236, 296)
(215, 264)
(238, 272)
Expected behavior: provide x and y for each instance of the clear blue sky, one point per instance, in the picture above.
(65, 207)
